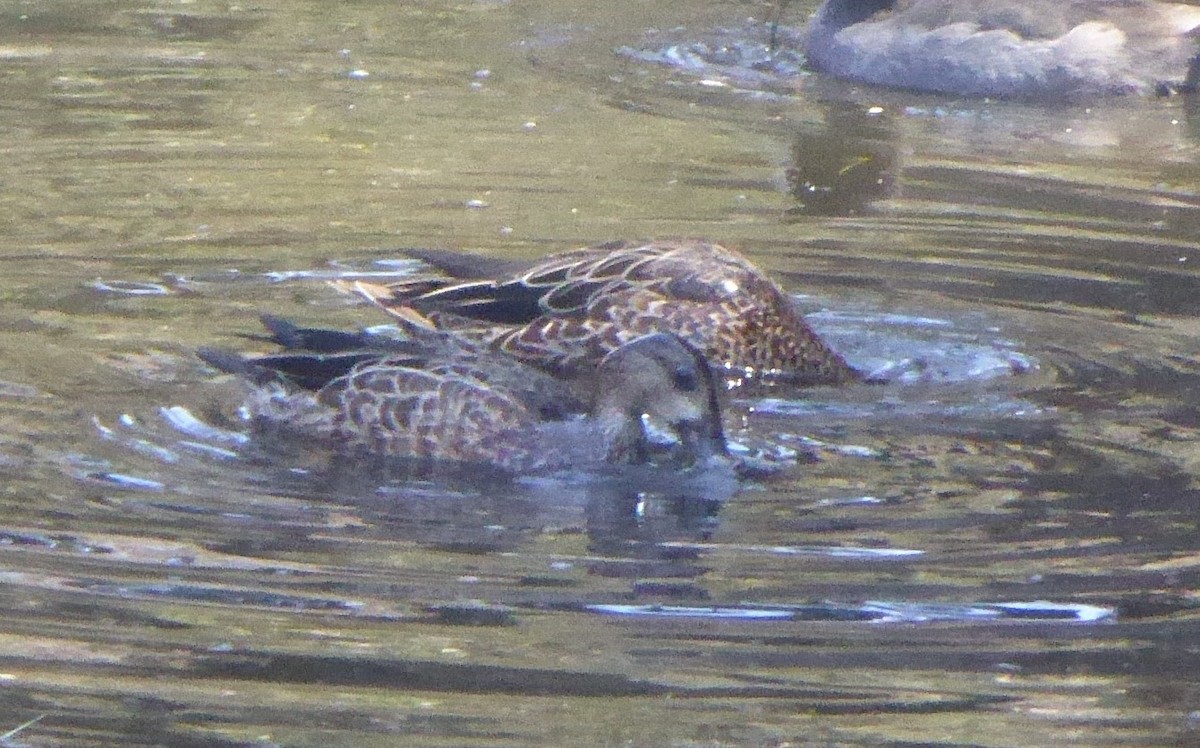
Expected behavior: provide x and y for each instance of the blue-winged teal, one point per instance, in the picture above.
(437, 397)
(1008, 48)
(568, 311)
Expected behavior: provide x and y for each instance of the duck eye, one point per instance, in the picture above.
(685, 379)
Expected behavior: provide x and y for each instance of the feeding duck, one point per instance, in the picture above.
(437, 397)
(570, 310)
(1008, 48)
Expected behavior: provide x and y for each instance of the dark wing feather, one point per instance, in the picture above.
(464, 265)
(235, 363)
(511, 303)
(564, 284)
(310, 371)
(317, 339)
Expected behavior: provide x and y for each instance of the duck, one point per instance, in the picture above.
(437, 398)
(568, 311)
(1050, 49)
(314, 356)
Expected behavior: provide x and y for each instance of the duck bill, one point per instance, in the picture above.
(699, 441)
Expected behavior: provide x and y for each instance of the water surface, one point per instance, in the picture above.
(998, 548)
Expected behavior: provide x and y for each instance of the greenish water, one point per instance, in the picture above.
(171, 170)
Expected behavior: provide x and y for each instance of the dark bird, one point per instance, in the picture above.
(1053, 49)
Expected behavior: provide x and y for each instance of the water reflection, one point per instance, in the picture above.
(832, 174)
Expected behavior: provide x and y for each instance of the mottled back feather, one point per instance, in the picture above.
(466, 403)
(572, 308)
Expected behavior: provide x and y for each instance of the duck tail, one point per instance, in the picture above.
(234, 363)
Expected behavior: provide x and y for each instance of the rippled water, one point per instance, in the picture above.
(997, 548)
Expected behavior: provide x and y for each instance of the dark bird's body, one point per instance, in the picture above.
(1039, 49)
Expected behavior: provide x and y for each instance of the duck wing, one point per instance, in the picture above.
(314, 357)
(307, 371)
(388, 408)
(563, 284)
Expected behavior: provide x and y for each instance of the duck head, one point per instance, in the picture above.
(658, 383)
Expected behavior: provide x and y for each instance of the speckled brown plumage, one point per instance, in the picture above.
(387, 408)
(573, 308)
(445, 398)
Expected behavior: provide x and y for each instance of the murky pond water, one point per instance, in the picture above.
(1000, 547)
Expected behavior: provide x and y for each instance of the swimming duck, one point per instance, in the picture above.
(567, 312)
(1008, 48)
(314, 356)
(446, 399)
